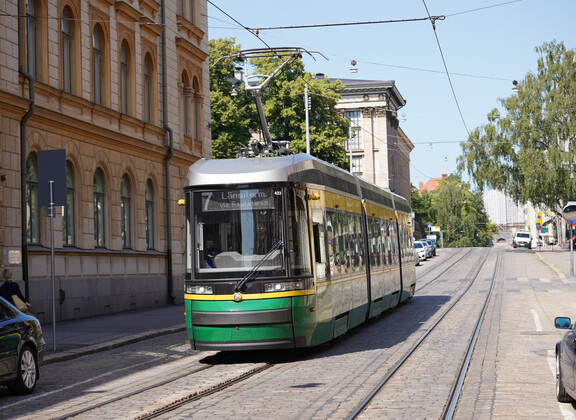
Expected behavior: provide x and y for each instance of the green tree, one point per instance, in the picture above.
(283, 100)
(528, 152)
(285, 110)
(421, 206)
(461, 215)
(232, 116)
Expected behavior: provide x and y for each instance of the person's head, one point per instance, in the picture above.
(261, 229)
(6, 275)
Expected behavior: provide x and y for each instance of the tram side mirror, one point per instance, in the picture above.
(569, 211)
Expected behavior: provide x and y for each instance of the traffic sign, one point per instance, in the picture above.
(571, 222)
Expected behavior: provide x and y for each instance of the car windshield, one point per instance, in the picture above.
(418, 245)
(235, 229)
(522, 235)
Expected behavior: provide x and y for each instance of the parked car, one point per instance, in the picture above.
(429, 250)
(432, 244)
(522, 239)
(421, 250)
(565, 359)
(416, 258)
(21, 349)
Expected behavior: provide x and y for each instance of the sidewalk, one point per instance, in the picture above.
(78, 337)
(557, 257)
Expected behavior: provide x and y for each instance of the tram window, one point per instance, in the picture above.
(235, 230)
(387, 242)
(374, 242)
(343, 255)
(330, 220)
(317, 249)
(298, 237)
(360, 258)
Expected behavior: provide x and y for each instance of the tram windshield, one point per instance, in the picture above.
(237, 230)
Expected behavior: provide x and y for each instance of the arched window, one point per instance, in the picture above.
(97, 63)
(67, 50)
(125, 211)
(31, 44)
(149, 215)
(196, 110)
(123, 78)
(148, 88)
(98, 209)
(68, 216)
(191, 6)
(186, 9)
(126, 78)
(32, 213)
(185, 105)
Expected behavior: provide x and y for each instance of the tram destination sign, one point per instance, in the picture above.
(262, 199)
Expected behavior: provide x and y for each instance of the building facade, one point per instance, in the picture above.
(503, 211)
(378, 149)
(121, 86)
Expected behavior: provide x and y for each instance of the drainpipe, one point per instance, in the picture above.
(168, 200)
(23, 121)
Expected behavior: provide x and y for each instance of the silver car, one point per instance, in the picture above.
(427, 246)
(422, 250)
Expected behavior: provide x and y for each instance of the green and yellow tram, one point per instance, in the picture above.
(288, 252)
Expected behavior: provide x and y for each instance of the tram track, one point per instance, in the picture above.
(452, 399)
(222, 360)
(443, 267)
(193, 397)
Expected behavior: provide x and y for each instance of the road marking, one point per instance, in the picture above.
(536, 320)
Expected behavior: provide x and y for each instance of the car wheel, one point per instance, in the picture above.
(561, 394)
(27, 374)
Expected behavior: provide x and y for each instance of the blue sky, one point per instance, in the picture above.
(485, 44)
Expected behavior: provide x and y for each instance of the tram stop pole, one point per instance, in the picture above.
(51, 193)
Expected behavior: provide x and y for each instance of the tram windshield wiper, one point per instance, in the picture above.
(250, 275)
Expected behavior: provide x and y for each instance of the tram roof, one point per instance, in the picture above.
(296, 168)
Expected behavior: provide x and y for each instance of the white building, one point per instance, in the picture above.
(503, 211)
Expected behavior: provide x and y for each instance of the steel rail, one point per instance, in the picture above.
(453, 398)
(452, 261)
(131, 394)
(368, 399)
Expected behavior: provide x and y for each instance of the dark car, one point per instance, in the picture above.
(21, 349)
(565, 361)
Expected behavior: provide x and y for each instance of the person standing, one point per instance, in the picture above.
(9, 288)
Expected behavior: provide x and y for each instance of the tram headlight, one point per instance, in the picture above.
(199, 289)
(283, 286)
(274, 287)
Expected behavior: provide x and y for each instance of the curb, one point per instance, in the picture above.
(108, 345)
(558, 272)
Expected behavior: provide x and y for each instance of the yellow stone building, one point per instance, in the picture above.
(122, 86)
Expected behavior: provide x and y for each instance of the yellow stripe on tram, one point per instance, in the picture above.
(252, 296)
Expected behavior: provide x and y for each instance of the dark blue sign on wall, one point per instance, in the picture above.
(52, 167)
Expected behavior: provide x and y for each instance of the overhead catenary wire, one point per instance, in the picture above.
(433, 22)
(328, 25)
(243, 26)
